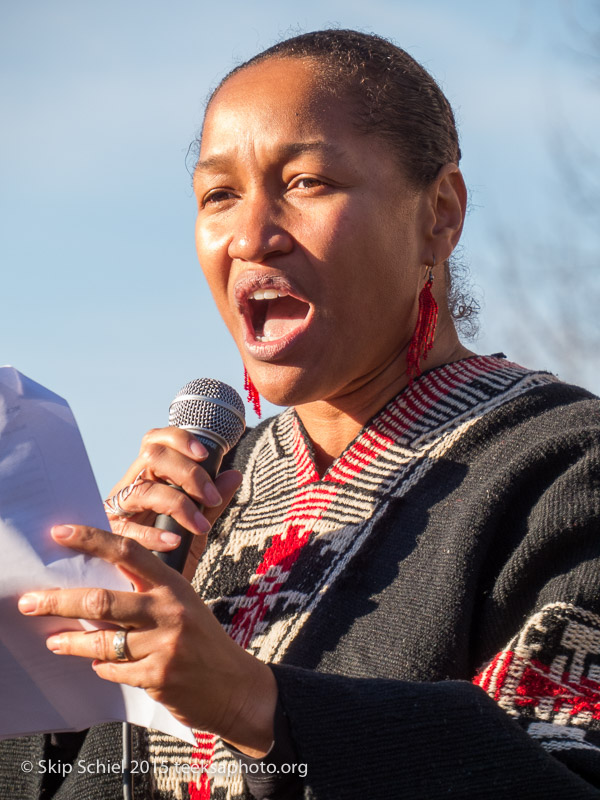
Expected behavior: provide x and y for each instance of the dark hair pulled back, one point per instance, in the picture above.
(393, 97)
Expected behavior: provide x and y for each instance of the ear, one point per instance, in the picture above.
(447, 198)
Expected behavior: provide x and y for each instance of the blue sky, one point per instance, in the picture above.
(103, 300)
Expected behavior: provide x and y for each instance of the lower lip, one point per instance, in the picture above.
(277, 348)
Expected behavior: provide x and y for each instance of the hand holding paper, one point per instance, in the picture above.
(45, 480)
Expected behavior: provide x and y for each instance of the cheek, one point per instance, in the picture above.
(329, 229)
(335, 243)
(372, 274)
(356, 254)
(212, 255)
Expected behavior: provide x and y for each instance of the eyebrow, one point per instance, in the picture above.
(220, 163)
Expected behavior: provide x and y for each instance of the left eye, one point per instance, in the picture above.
(307, 183)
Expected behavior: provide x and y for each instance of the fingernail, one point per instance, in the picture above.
(62, 531)
(212, 496)
(53, 643)
(170, 538)
(28, 603)
(202, 524)
(198, 450)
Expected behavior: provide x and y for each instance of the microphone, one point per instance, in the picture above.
(214, 413)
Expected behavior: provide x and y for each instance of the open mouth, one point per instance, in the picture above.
(274, 314)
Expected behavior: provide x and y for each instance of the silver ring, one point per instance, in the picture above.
(113, 504)
(120, 644)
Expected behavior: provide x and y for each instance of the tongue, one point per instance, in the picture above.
(283, 315)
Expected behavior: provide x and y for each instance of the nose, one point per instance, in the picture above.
(260, 232)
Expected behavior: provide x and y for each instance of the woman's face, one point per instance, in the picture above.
(309, 235)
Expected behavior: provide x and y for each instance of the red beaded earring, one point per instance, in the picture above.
(253, 395)
(423, 336)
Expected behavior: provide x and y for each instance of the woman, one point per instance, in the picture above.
(404, 590)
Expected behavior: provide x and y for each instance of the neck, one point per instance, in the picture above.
(332, 424)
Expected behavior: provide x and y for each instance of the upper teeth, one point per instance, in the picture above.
(266, 294)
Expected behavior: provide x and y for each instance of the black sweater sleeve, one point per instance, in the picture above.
(278, 774)
(381, 738)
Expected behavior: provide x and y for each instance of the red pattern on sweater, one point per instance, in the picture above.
(536, 685)
(278, 559)
(312, 498)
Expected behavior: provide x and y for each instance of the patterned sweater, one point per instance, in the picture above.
(429, 605)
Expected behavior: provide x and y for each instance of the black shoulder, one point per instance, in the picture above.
(556, 417)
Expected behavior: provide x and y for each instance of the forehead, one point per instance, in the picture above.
(274, 78)
(273, 100)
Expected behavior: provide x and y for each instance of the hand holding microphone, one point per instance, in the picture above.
(174, 473)
(213, 412)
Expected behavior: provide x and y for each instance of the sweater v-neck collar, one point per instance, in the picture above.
(420, 410)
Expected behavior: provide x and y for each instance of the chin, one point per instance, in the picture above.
(284, 385)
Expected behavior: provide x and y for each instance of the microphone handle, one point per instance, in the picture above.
(211, 465)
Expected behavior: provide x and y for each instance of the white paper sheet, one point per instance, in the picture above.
(46, 479)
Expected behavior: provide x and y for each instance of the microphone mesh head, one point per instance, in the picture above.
(210, 405)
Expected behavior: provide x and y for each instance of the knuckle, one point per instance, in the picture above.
(178, 503)
(167, 645)
(195, 473)
(127, 548)
(85, 533)
(140, 533)
(152, 452)
(118, 525)
(175, 615)
(144, 490)
(97, 603)
(49, 603)
(102, 645)
(149, 436)
(143, 535)
(124, 527)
